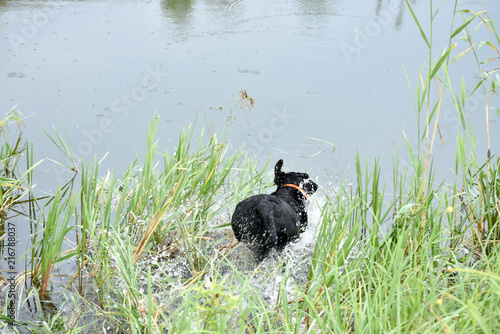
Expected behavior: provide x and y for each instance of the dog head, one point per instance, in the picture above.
(301, 180)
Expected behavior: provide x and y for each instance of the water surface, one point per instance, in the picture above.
(312, 82)
(327, 77)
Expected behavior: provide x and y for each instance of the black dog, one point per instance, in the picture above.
(272, 221)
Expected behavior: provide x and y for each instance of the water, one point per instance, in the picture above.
(327, 79)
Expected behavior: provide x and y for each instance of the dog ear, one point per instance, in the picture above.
(278, 174)
(277, 168)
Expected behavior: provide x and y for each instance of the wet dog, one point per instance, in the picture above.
(265, 222)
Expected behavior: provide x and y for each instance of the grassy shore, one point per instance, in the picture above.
(151, 247)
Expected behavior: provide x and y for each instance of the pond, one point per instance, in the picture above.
(311, 82)
(327, 77)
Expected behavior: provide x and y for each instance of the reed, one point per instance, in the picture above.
(15, 182)
(153, 245)
(56, 226)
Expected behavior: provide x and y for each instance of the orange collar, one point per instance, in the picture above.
(296, 187)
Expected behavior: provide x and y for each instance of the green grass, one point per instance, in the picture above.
(152, 244)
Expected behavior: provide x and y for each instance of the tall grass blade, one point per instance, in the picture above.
(418, 24)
